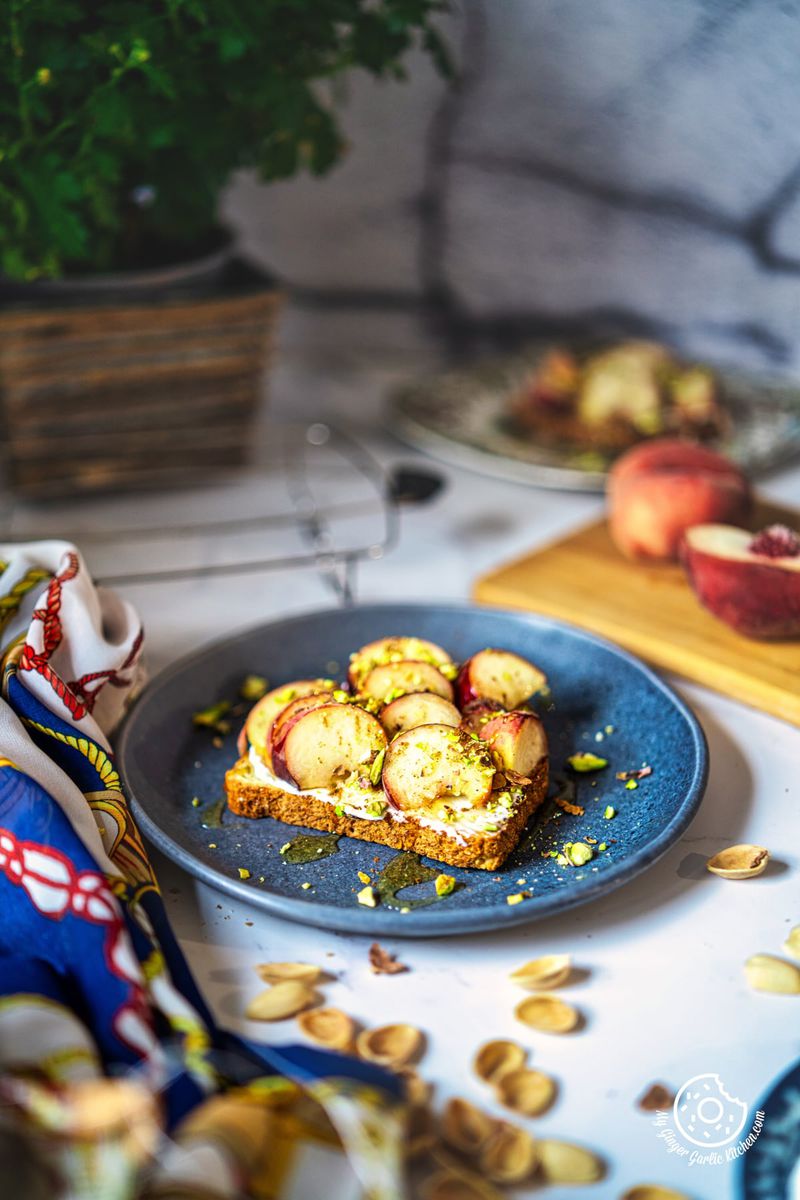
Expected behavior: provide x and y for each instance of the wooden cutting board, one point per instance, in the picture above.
(650, 610)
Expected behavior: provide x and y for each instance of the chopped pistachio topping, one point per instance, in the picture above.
(195, 801)
(253, 687)
(243, 873)
(364, 877)
(610, 812)
(286, 846)
(444, 884)
(585, 761)
(212, 845)
(578, 853)
(342, 697)
(377, 767)
(305, 886)
(449, 670)
(518, 897)
(368, 897)
(212, 717)
(376, 808)
(602, 846)
(631, 785)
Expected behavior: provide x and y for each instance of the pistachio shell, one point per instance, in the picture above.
(465, 1126)
(561, 1162)
(417, 1090)
(739, 862)
(547, 1013)
(792, 943)
(421, 1133)
(447, 1185)
(653, 1191)
(495, 1059)
(390, 1045)
(509, 1156)
(283, 1000)
(766, 973)
(527, 1092)
(328, 1027)
(278, 971)
(541, 974)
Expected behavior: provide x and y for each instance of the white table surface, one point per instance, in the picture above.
(664, 996)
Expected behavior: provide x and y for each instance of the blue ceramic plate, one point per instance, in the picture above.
(166, 763)
(771, 1168)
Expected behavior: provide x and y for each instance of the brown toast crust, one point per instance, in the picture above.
(248, 797)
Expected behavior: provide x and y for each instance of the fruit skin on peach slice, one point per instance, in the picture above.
(756, 594)
(255, 731)
(662, 488)
(393, 679)
(499, 676)
(287, 717)
(418, 708)
(437, 762)
(518, 742)
(326, 744)
(393, 650)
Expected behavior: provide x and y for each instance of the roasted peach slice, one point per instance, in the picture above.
(433, 763)
(255, 731)
(498, 675)
(288, 715)
(518, 741)
(326, 744)
(750, 582)
(387, 682)
(418, 708)
(394, 650)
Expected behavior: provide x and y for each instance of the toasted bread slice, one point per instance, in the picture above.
(251, 797)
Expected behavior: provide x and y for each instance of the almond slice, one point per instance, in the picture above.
(547, 1013)
(446, 1185)
(277, 972)
(465, 1126)
(390, 1045)
(739, 862)
(328, 1027)
(653, 1191)
(541, 974)
(284, 1000)
(561, 1162)
(509, 1156)
(527, 1092)
(767, 973)
(792, 943)
(495, 1059)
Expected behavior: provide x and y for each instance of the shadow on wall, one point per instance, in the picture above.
(617, 164)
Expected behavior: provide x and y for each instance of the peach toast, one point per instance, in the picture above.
(401, 756)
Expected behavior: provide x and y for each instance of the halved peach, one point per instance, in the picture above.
(500, 676)
(255, 731)
(750, 582)
(437, 762)
(418, 708)
(387, 682)
(394, 650)
(326, 744)
(518, 741)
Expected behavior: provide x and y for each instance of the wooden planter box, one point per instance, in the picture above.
(106, 394)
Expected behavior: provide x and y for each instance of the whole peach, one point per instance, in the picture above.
(662, 488)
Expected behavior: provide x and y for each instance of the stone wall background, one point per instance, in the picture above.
(629, 164)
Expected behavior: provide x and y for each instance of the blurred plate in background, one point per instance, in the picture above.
(464, 417)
